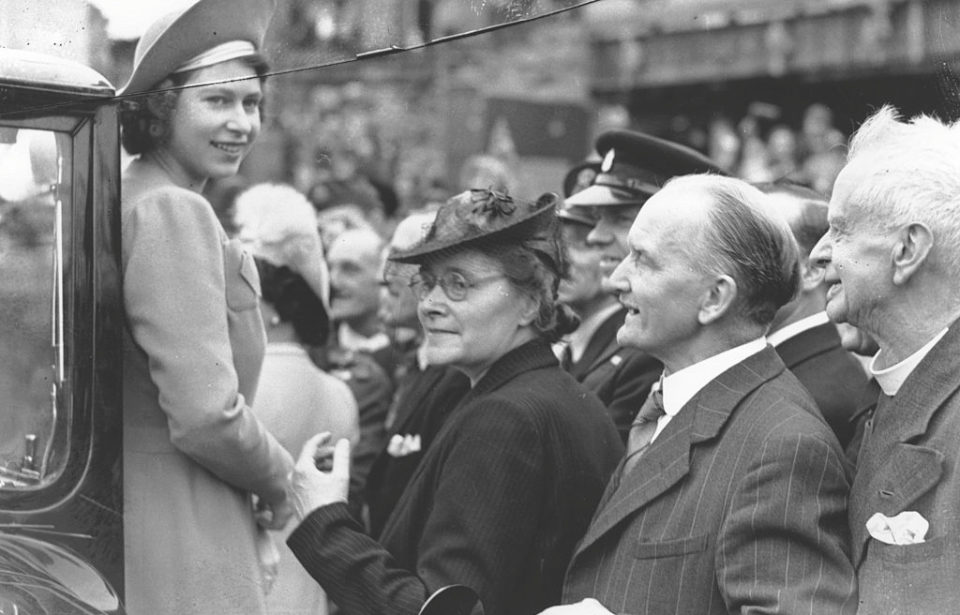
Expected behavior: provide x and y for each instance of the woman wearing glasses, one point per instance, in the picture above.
(511, 480)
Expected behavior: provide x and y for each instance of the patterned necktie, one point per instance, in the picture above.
(643, 428)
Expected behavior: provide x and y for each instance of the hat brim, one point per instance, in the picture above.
(603, 196)
(428, 248)
(200, 27)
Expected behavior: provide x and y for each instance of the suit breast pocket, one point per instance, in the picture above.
(918, 578)
(241, 278)
(671, 548)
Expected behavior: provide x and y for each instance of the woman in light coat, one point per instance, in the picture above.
(196, 459)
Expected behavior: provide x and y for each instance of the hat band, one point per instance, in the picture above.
(216, 55)
(610, 180)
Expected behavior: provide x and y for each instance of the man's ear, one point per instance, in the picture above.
(811, 276)
(910, 251)
(718, 299)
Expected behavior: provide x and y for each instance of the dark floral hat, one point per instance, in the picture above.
(477, 218)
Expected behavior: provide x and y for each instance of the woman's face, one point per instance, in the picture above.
(212, 127)
(491, 320)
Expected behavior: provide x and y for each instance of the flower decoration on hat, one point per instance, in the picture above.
(492, 202)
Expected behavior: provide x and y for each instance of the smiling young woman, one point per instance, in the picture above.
(194, 452)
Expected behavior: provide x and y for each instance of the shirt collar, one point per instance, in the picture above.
(775, 338)
(892, 378)
(580, 337)
(680, 387)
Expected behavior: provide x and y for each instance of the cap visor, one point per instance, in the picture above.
(599, 196)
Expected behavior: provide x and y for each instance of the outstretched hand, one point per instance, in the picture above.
(321, 475)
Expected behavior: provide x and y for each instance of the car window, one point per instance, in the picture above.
(32, 267)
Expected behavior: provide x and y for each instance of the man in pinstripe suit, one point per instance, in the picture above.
(734, 500)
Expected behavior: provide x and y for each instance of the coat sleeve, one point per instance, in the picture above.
(481, 527)
(784, 547)
(176, 301)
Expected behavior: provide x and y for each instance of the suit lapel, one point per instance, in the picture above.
(891, 472)
(809, 343)
(667, 460)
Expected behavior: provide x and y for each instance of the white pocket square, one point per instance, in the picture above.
(907, 528)
(401, 446)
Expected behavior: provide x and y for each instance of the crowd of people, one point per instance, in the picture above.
(637, 397)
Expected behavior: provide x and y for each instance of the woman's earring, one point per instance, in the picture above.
(274, 321)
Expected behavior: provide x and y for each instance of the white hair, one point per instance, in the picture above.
(913, 175)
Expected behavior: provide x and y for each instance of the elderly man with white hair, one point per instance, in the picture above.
(892, 258)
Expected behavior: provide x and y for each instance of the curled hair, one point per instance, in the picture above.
(536, 275)
(746, 239)
(138, 113)
(295, 302)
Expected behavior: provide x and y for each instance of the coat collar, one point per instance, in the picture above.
(668, 459)
(892, 472)
(532, 355)
(809, 343)
(602, 345)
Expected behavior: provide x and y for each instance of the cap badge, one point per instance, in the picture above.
(607, 163)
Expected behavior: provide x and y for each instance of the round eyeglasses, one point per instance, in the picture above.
(453, 283)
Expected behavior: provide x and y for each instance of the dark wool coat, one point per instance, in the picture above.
(497, 504)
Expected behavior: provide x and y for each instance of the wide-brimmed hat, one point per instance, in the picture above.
(178, 37)
(635, 166)
(480, 217)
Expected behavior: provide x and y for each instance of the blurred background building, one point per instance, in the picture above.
(769, 89)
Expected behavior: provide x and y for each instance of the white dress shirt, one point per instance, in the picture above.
(794, 329)
(679, 387)
(891, 378)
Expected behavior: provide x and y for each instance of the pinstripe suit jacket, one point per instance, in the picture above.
(621, 377)
(831, 374)
(738, 506)
(909, 460)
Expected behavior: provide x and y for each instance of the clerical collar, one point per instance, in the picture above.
(893, 377)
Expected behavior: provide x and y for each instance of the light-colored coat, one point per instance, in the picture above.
(297, 400)
(908, 462)
(193, 450)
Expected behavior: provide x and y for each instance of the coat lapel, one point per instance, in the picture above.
(667, 461)
(891, 472)
(810, 343)
(602, 345)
